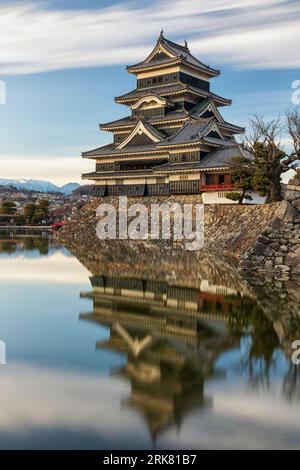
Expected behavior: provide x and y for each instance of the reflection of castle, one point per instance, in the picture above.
(171, 336)
(168, 311)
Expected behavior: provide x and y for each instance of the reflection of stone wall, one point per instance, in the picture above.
(280, 302)
(128, 259)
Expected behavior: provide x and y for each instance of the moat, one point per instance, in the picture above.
(100, 356)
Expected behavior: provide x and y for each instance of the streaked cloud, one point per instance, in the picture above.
(248, 34)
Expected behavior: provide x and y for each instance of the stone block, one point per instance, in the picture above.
(264, 240)
(296, 204)
(268, 266)
(292, 260)
(259, 249)
(282, 268)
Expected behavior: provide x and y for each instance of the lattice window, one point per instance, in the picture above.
(104, 167)
(185, 157)
(158, 80)
(184, 187)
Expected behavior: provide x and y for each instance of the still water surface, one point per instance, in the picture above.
(97, 362)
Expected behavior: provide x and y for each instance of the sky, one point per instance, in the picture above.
(62, 63)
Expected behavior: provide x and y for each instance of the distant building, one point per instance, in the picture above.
(175, 141)
(7, 219)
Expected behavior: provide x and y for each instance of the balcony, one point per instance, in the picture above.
(217, 187)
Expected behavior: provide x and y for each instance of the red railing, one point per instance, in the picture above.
(217, 187)
(55, 227)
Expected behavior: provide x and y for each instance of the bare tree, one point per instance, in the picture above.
(270, 157)
(293, 130)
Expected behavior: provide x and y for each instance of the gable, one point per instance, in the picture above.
(214, 131)
(214, 134)
(140, 139)
(159, 50)
(209, 110)
(159, 57)
(141, 134)
(207, 114)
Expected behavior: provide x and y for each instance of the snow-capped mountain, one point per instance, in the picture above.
(39, 185)
(69, 188)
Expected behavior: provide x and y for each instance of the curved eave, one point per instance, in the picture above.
(88, 176)
(219, 100)
(212, 144)
(233, 129)
(116, 128)
(155, 123)
(124, 154)
(174, 121)
(139, 68)
(186, 144)
(121, 100)
(93, 176)
(189, 170)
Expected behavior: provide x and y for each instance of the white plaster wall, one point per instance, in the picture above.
(215, 197)
(256, 198)
(218, 197)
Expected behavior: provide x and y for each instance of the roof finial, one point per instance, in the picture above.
(186, 44)
(161, 34)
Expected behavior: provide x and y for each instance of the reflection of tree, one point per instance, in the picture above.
(42, 244)
(291, 383)
(7, 246)
(26, 244)
(263, 341)
(29, 244)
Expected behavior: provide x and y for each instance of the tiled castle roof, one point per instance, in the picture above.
(178, 52)
(168, 90)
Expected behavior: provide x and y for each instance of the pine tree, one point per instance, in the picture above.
(8, 207)
(242, 171)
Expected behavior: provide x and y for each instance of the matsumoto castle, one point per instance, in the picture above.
(174, 139)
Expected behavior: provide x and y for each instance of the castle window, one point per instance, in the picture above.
(185, 157)
(156, 81)
(152, 112)
(104, 167)
(195, 82)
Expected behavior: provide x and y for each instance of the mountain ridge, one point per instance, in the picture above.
(39, 185)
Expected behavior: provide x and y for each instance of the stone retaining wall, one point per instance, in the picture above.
(277, 249)
(264, 237)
